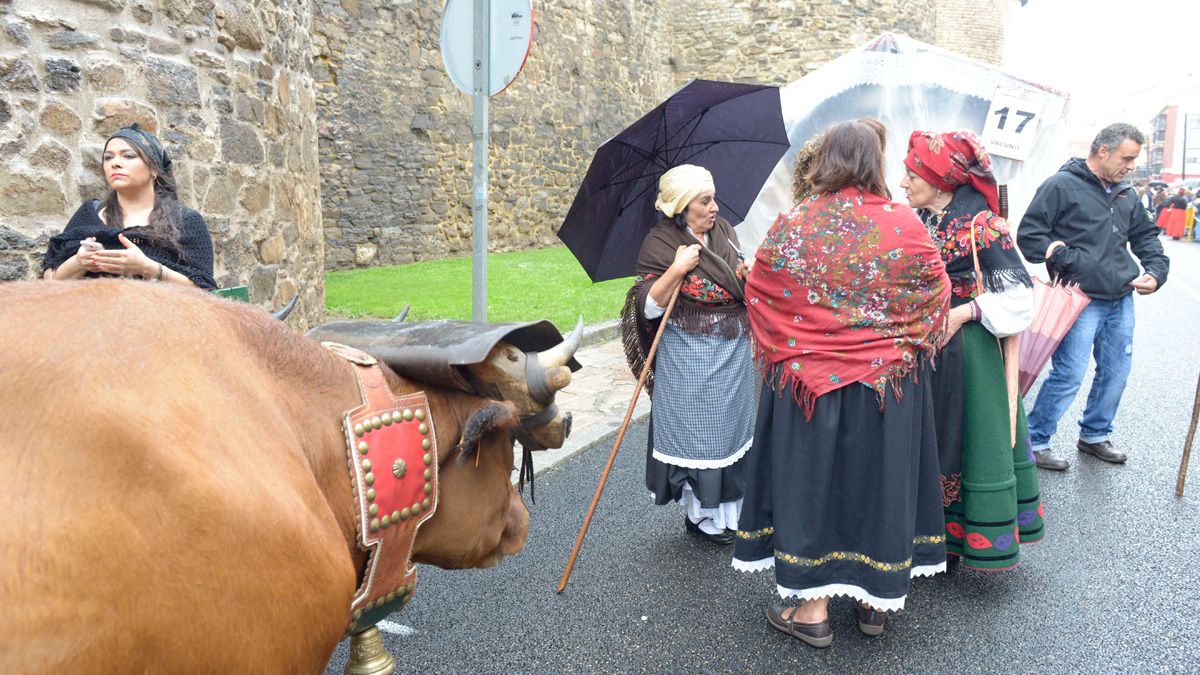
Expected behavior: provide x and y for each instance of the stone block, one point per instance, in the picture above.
(5, 112)
(60, 118)
(270, 251)
(66, 39)
(17, 31)
(105, 75)
(112, 114)
(171, 83)
(240, 143)
(52, 155)
(13, 239)
(365, 254)
(26, 195)
(62, 75)
(16, 74)
(262, 281)
(161, 46)
(13, 267)
(242, 25)
(256, 197)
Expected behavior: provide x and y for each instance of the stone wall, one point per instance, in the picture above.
(396, 186)
(395, 133)
(226, 85)
(977, 28)
(779, 41)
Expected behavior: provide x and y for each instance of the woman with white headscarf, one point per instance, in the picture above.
(702, 380)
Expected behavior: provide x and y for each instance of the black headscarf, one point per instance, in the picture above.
(147, 143)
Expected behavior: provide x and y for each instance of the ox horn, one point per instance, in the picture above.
(403, 313)
(287, 309)
(559, 354)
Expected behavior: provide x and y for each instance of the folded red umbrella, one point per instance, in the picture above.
(1055, 308)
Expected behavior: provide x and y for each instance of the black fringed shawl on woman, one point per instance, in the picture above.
(192, 257)
(711, 299)
(999, 263)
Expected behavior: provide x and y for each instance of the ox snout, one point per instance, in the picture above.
(554, 433)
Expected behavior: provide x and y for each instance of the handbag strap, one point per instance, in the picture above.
(975, 255)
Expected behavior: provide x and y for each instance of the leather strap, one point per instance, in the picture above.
(391, 449)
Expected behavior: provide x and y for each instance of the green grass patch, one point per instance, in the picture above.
(522, 286)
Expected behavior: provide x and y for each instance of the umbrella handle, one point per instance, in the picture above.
(612, 456)
(1187, 445)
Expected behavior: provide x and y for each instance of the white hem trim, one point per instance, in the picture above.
(705, 463)
(849, 590)
(755, 565)
(928, 570)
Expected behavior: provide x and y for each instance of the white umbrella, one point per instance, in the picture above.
(912, 85)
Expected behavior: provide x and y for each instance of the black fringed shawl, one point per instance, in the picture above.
(193, 258)
(999, 261)
(711, 299)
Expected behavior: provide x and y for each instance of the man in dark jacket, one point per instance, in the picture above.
(1082, 223)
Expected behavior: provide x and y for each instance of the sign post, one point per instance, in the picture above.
(479, 163)
(501, 32)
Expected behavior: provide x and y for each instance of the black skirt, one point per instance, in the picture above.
(848, 503)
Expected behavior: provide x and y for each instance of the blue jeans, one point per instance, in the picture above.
(1105, 328)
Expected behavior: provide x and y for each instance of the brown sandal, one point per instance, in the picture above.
(819, 635)
(871, 621)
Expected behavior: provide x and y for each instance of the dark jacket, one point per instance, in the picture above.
(1099, 226)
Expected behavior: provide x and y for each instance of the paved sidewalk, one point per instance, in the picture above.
(597, 398)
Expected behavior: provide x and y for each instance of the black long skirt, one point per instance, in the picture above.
(848, 503)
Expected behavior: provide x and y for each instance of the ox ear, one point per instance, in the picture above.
(493, 416)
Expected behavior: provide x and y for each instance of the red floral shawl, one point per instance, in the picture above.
(847, 287)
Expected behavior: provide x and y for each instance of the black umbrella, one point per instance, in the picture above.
(1157, 184)
(734, 130)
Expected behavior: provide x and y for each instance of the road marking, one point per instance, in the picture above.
(396, 628)
(1189, 290)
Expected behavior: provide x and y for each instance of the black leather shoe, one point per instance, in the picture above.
(870, 620)
(725, 538)
(1045, 460)
(819, 635)
(1103, 450)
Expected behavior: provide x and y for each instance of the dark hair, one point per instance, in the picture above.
(166, 218)
(680, 219)
(1112, 135)
(852, 155)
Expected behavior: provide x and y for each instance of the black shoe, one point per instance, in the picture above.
(870, 620)
(1103, 450)
(1045, 460)
(723, 539)
(819, 635)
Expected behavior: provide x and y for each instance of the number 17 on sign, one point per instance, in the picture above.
(1012, 123)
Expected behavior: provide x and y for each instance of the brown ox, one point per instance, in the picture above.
(174, 493)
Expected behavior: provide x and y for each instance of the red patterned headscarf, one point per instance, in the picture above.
(951, 159)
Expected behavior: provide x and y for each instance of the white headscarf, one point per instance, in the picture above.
(679, 186)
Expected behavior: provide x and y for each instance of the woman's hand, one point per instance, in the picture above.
(955, 319)
(85, 257)
(686, 258)
(127, 263)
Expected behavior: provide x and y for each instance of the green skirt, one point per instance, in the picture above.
(998, 505)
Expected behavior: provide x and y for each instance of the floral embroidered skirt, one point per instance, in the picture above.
(989, 488)
(848, 503)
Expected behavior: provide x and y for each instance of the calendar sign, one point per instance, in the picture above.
(1012, 123)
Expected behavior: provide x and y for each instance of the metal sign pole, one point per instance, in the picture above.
(479, 173)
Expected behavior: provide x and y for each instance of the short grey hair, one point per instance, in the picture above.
(1112, 135)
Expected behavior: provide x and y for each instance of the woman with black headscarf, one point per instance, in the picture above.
(140, 230)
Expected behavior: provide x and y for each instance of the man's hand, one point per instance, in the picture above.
(1145, 284)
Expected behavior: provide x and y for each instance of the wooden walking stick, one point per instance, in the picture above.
(612, 456)
(1187, 445)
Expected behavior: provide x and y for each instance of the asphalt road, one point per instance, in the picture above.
(1113, 588)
